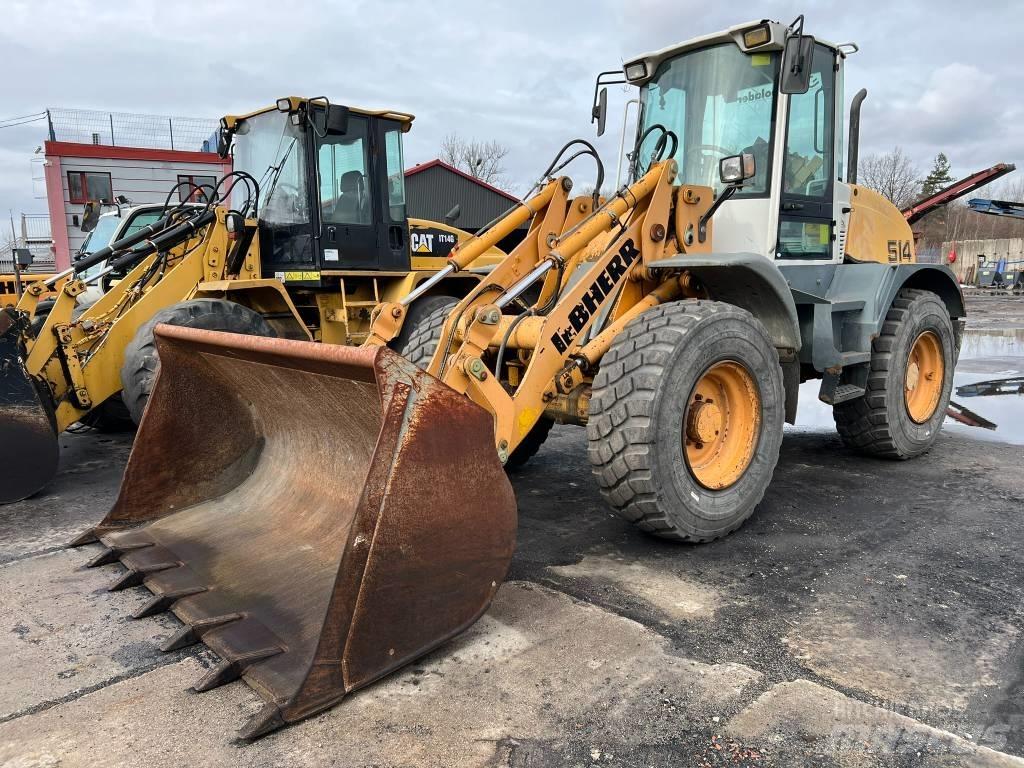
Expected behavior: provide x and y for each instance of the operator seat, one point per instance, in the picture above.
(351, 206)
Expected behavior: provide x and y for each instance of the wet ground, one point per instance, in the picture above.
(870, 614)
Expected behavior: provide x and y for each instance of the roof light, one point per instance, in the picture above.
(284, 105)
(757, 36)
(636, 71)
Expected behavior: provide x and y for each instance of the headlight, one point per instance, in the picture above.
(756, 36)
(636, 71)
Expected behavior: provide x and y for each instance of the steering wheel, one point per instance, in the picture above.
(715, 148)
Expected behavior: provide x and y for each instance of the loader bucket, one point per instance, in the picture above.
(28, 434)
(317, 515)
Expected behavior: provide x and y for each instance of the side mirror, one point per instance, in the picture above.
(336, 120)
(90, 216)
(453, 214)
(736, 169)
(23, 257)
(223, 143)
(599, 112)
(796, 64)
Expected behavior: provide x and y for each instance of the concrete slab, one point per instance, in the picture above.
(677, 597)
(67, 633)
(831, 728)
(541, 672)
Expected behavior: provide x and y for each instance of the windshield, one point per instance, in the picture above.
(718, 102)
(106, 226)
(270, 148)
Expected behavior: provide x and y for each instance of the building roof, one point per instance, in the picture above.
(439, 163)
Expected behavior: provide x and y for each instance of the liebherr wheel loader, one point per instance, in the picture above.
(323, 515)
(313, 236)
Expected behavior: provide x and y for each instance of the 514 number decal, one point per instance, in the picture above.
(899, 250)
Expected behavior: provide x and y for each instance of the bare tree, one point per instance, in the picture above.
(481, 159)
(893, 175)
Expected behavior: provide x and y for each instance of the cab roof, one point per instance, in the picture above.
(733, 34)
(296, 102)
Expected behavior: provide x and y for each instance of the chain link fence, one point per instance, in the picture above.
(122, 129)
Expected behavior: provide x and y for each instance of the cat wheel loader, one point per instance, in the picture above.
(302, 240)
(320, 516)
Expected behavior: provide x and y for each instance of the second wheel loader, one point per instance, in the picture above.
(302, 240)
(321, 516)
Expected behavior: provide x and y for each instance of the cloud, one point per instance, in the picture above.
(522, 74)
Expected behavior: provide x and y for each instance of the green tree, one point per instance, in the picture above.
(939, 176)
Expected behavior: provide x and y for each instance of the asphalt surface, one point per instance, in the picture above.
(869, 613)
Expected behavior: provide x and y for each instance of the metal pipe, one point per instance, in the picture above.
(470, 250)
(426, 285)
(523, 283)
(622, 141)
(852, 156)
(49, 282)
(99, 275)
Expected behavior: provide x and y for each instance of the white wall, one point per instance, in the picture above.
(141, 181)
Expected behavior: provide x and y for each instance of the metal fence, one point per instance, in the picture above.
(34, 234)
(122, 129)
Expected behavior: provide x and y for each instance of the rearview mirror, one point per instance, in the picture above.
(599, 112)
(90, 216)
(737, 168)
(453, 214)
(223, 143)
(796, 64)
(335, 120)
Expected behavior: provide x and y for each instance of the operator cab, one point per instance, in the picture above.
(760, 89)
(331, 186)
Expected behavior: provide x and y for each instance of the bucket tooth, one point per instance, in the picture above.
(89, 536)
(162, 602)
(135, 576)
(193, 633)
(111, 555)
(230, 670)
(348, 510)
(265, 721)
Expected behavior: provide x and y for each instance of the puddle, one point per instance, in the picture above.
(984, 354)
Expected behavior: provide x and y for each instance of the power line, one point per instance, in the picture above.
(23, 117)
(23, 122)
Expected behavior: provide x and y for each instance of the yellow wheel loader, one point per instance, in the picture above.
(302, 240)
(321, 516)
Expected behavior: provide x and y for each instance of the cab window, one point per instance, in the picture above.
(344, 181)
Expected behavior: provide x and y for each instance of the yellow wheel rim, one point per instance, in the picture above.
(721, 425)
(922, 389)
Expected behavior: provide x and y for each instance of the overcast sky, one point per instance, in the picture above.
(941, 74)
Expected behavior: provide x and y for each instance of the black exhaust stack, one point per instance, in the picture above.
(851, 164)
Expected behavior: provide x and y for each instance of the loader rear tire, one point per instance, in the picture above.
(686, 419)
(110, 416)
(421, 331)
(530, 444)
(141, 362)
(901, 412)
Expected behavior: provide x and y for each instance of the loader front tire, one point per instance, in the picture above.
(141, 362)
(421, 331)
(686, 419)
(902, 409)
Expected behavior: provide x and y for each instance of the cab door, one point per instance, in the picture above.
(807, 216)
(392, 226)
(348, 235)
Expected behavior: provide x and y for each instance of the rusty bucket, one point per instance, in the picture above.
(317, 515)
(28, 434)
